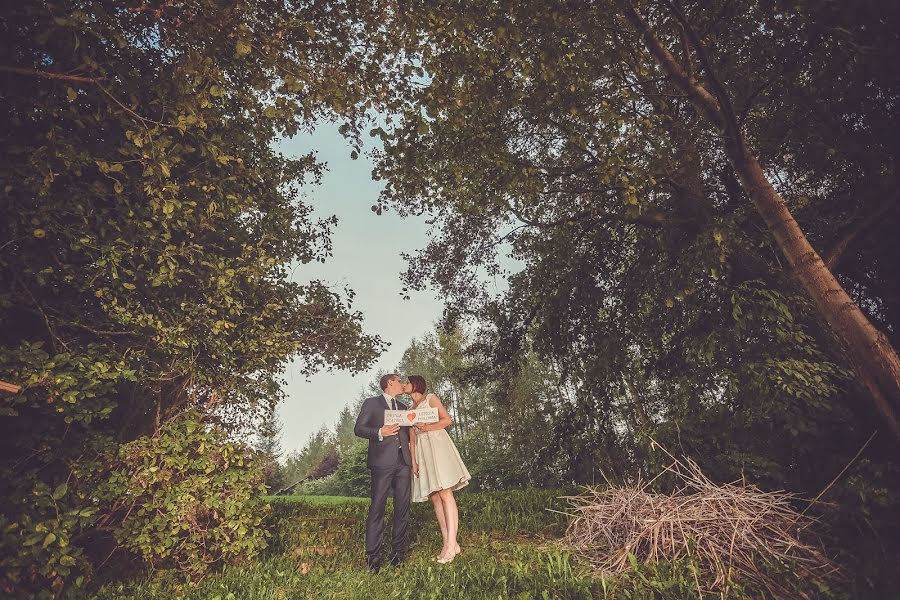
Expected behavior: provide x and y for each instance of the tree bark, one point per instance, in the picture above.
(867, 349)
(637, 405)
(463, 414)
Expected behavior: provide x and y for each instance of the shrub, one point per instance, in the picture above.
(51, 461)
(186, 498)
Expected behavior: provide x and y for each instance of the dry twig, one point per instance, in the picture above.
(735, 533)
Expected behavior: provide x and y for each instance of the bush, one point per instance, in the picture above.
(187, 498)
(51, 462)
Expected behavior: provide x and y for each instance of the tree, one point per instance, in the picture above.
(269, 436)
(552, 129)
(149, 235)
(301, 465)
(439, 358)
(352, 476)
(343, 429)
(869, 351)
(540, 117)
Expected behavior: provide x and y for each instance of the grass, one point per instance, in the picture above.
(316, 500)
(510, 551)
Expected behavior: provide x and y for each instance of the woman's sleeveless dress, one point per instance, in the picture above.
(440, 465)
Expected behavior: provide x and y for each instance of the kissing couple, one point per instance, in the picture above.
(419, 462)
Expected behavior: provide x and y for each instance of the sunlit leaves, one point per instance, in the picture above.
(153, 233)
(187, 497)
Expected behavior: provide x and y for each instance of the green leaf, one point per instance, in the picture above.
(71, 94)
(242, 48)
(51, 537)
(60, 491)
(128, 286)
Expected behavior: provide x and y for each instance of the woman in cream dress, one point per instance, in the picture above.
(438, 468)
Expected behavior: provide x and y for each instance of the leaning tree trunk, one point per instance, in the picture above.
(867, 349)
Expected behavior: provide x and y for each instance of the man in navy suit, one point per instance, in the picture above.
(390, 463)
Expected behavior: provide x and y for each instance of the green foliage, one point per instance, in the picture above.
(352, 473)
(149, 238)
(39, 532)
(316, 500)
(48, 505)
(324, 542)
(300, 464)
(644, 280)
(186, 498)
(525, 512)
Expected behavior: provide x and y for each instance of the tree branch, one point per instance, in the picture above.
(48, 74)
(730, 120)
(82, 79)
(838, 248)
(654, 218)
(706, 102)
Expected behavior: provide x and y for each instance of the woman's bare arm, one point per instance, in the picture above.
(444, 421)
(412, 451)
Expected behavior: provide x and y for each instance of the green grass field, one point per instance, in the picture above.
(510, 543)
(317, 500)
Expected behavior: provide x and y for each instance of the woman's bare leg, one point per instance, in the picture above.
(451, 516)
(438, 503)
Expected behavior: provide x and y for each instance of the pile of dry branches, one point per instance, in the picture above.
(731, 531)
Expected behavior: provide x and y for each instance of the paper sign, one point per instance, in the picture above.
(410, 417)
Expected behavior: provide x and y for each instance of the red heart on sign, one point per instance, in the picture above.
(411, 417)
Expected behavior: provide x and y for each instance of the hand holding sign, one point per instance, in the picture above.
(407, 418)
(389, 430)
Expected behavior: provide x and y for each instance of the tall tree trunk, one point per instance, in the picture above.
(461, 411)
(457, 413)
(866, 348)
(637, 405)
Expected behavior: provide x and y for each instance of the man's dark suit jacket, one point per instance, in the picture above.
(369, 421)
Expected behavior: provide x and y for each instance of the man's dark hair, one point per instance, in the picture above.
(385, 379)
(418, 383)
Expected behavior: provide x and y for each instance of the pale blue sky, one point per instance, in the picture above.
(367, 259)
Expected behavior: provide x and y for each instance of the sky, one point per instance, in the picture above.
(366, 258)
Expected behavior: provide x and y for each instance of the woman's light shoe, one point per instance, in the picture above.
(444, 561)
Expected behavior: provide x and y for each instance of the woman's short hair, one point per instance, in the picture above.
(418, 383)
